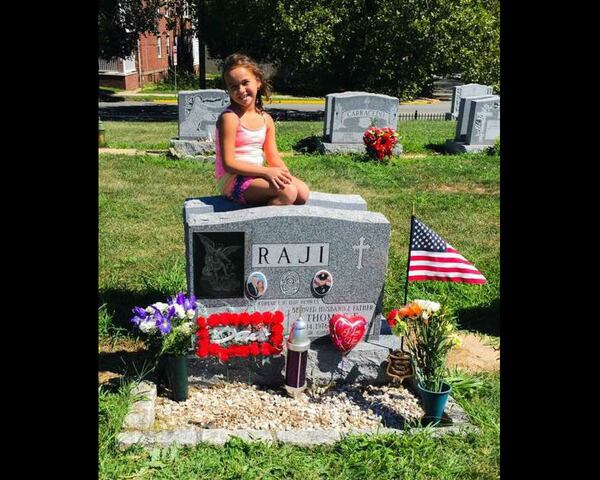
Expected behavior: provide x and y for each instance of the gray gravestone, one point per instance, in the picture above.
(198, 113)
(468, 90)
(349, 114)
(482, 125)
(289, 245)
(484, 121)
(329, 109)
(462, 121)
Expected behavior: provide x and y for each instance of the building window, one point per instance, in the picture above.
(168, 46)
(159, 45)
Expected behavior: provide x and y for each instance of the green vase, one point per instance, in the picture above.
(175, 376)
(434, 403)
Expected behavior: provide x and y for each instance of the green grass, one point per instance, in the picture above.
(141, 255)
(414, 456)
(419, 136)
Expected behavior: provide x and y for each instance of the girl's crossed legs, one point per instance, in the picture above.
(260, 192)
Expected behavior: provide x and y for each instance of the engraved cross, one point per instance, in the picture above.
(360, 247)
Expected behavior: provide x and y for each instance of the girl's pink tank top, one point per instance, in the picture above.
(248, 146)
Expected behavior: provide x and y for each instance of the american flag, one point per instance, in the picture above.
(432, 258)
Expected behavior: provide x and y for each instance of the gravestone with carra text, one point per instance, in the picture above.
(198, 112)
(349, 114)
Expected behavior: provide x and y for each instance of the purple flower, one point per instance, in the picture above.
(163, 322)
(187, 305)
(140, 315)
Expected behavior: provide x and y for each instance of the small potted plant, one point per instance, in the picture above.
(168, 329)
(430, 333)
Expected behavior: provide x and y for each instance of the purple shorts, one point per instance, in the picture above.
(236, 188)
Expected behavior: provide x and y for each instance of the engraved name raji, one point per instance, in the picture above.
(290, 254)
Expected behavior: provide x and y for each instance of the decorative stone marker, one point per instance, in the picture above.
(468, 90)
(462, 122)
(290, 245)
(482, 125)
(349, 114)
(198, 113)
(332, 240)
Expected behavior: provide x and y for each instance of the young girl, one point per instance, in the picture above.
(244, 133)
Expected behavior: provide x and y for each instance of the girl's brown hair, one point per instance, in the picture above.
(240, 60)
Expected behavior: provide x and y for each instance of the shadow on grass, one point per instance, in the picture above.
(121, 302)
(105, 95)
(484, 319)
(436, 147)
(308, 144)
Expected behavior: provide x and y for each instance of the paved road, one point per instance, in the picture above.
(157, 112)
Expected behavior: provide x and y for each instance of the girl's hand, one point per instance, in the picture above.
(279, 177)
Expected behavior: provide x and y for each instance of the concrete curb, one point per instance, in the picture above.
(140, 418)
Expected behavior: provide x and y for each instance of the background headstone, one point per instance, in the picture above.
(468, 90)
(484, 121)
(349, 114)
(289, 245)
(198, 112)
(481, 115)
(462, 121)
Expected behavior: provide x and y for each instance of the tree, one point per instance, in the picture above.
(394, 47)
(120, 23)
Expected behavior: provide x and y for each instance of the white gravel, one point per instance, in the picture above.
(242, 406)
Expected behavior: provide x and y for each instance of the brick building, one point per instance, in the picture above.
(149, 63)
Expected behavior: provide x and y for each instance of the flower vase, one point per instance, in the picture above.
(434, 403)
(175, 376)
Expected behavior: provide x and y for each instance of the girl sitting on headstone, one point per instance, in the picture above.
(245, 138)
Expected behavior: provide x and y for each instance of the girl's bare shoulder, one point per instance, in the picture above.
(227, 118)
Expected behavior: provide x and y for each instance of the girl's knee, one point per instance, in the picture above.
(302, 196)
(288, 194)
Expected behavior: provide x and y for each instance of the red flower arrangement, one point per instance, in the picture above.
(257, 321)
(380, 141)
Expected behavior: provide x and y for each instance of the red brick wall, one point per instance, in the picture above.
(153, 67)
(128, 82)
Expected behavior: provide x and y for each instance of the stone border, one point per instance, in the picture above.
(141, 417)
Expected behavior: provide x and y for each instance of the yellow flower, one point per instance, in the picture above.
(455, 341)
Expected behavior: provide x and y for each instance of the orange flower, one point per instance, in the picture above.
(404, 312)
(414, 310)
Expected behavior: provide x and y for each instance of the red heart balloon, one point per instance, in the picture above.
(346, 331)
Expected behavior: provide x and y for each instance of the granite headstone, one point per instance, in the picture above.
(484, 121)
(290, 246)
(468, 90)
(198, 113)
(349, 114)
(481, 115)
(462, 121)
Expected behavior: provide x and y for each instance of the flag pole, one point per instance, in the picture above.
(412, 217)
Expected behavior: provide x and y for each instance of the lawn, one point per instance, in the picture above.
(141, 255)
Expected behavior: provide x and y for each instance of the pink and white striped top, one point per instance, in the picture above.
(248, 146)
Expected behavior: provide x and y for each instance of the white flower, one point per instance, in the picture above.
(148, 326)
(191, 314)
(186, 328)
(149, 310)
(428, 305)
(163, 307)
(425, 314)
(179, 311)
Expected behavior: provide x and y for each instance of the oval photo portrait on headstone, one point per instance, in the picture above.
(322, 282)
(256, 285)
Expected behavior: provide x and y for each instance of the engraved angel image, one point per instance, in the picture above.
(218, 265)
